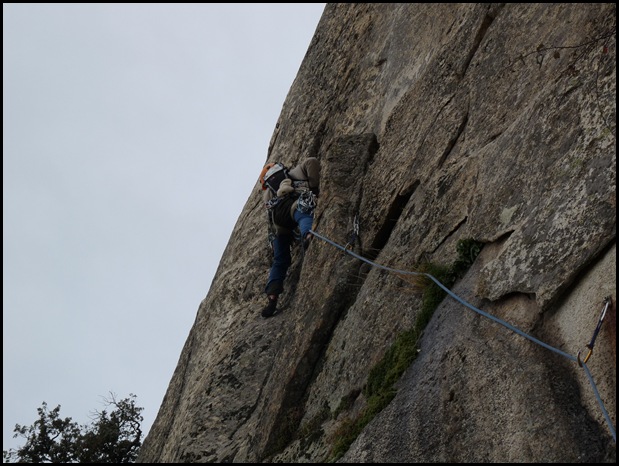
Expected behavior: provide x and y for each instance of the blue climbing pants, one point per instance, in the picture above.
(281, 253)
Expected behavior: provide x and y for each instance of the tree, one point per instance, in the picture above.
(113, 437)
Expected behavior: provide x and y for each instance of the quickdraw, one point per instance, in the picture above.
(354, 235)
(607, 303)
(306, 202)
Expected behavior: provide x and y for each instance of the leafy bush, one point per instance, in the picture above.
(114, 437)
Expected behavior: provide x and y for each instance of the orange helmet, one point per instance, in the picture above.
(266, 168)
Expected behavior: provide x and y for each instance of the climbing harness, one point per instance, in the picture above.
(271, 203)
(607, 303)
(495, 319)
(354, 235)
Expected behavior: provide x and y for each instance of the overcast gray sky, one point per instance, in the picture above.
(124, 128)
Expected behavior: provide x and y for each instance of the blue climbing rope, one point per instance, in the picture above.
(485, 314)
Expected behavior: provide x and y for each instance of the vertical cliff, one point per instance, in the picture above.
(434, 124)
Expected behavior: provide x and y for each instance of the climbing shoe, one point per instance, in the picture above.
(271, 307)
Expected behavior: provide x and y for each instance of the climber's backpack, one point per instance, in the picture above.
(274, 177)
(279, 207)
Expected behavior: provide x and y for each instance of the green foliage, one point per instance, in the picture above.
(394, 363)
(379, 389)
(350, 429)
(468, 250)
(114, 437)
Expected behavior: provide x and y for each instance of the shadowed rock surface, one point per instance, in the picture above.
(434, 123)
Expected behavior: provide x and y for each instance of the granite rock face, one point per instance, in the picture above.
(433, 123)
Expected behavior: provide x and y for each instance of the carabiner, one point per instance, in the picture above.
(607, 302)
